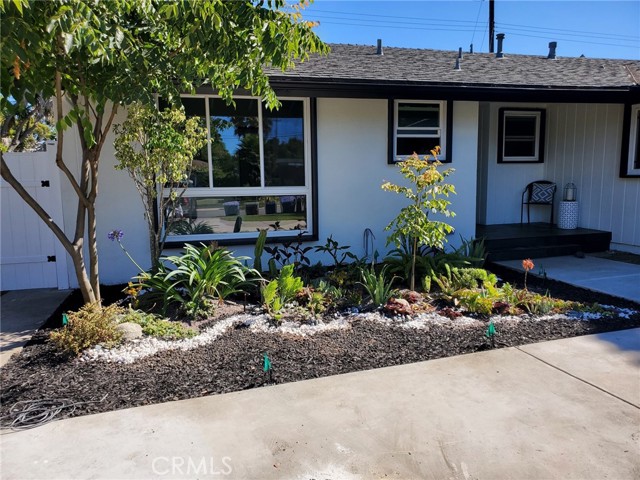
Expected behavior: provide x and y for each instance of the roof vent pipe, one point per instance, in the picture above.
(457, 67)
(500, 38)
(380, 52)
(460, 53)
(552, 50)
(471, 48)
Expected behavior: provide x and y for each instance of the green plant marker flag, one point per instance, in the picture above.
(65, 319)
(491, 330)
(267, 363)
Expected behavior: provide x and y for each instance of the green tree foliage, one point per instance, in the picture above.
(92, 57)
(157, 149)
(25, 127)
(427, 194)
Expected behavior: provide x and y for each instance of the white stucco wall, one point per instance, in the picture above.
(352, 165)
(118, 206)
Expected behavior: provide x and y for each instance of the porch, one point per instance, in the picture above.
(515, 241)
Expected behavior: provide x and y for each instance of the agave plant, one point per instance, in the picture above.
(379, 287)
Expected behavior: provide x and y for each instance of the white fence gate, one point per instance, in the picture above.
(30, 255)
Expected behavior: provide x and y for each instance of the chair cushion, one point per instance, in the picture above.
(542, 192)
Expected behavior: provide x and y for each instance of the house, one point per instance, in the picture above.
(316, 165)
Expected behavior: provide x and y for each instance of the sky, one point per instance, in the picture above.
(596, 29)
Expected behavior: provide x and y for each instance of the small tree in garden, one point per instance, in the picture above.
(93, 57)
(426, 194)
(157, 149)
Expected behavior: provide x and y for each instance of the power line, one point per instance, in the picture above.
(595, 35)
(430, 29)
(358, 14)
(475, 27)
(573, 31)
(452, 22)
(396, 22)
(515, 34)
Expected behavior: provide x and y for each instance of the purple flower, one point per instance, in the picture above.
(115, 235)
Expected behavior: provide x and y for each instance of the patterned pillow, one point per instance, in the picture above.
(542, 192)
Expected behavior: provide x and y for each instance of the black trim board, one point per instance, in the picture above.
(489, 93)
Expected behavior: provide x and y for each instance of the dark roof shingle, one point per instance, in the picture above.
(360, 63)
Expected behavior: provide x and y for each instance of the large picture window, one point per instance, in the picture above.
(521, 136)
(418, 126)
(254, 173)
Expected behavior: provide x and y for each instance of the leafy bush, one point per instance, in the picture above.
(379, 287)
(184, 226)
(155, 326)
(429, 263)
(473, 250)
(290, 252)
(473, 278)
(282, 290)
(474, 301)
(93, 324)
(201, 274)
(338, 253)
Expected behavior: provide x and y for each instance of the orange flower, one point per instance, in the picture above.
(527, 264)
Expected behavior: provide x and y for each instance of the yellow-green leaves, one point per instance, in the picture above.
(427, 194)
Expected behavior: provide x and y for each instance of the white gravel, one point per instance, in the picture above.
(138, 349)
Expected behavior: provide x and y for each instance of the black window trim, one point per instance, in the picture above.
(541, 134)
(391, 158)
(626, 162)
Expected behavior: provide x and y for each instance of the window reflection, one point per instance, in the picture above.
(283, 132)
(207, 215)
(235, 143)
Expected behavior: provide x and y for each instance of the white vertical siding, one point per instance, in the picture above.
(584, 143)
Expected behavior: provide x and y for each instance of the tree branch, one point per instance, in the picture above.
(33, 203)
(59, 160)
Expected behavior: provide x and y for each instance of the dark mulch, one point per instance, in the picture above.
(234, 361)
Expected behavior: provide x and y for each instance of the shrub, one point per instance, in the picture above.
(155, 326)
(338, 253)
(93, 324)
(474, 301)
(473, 278)
(201, 274)
(379, 287)
(282, 290)
(473, 250)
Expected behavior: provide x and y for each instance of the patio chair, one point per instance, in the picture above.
(540, 192)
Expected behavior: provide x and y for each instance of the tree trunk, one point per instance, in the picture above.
(413, 264)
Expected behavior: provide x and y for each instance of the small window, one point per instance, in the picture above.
(521, 136)
(418, 127)
(632, 163)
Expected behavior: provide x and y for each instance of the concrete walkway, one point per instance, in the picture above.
(22, 313)
(564, 409)
(607, 276)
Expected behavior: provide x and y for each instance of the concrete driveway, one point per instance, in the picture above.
(23, 312)
(607, 276)
(565, 409)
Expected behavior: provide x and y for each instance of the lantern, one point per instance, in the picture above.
(570, 192)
